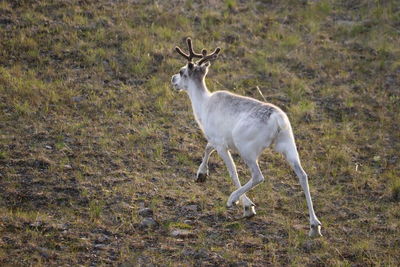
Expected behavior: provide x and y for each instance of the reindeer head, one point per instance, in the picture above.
(192, 72)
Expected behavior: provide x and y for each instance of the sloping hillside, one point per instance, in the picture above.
(91, 133)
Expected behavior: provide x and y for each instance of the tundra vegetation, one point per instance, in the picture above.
(91, 133)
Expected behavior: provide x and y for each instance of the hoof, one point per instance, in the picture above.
(315, 231)
(201, 177)
(230, 204)
(249, 211)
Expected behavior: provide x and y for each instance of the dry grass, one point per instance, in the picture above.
(90, 132)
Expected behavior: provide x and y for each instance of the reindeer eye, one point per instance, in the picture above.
(181, 72)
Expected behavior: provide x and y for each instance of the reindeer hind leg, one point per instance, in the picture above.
(286, 145)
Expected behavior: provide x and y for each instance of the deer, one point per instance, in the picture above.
(239, 124)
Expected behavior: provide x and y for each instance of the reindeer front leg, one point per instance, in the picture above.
(248, 205)
(202, 172)
(256, 178)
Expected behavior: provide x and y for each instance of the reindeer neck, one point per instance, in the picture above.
(199, 95)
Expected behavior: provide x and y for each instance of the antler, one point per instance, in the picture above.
(192, 54)
(203, 56)
(209, 57)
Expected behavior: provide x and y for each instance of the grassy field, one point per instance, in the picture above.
(91, 133)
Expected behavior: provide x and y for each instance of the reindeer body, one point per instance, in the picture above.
(245, 125)
(230, 120)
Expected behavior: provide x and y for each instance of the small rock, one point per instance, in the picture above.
(100, 246)
(148, 223)
(181, 233)
(67, 167)
(69, 140)
(348, 23)
(377, 158)
(48, 147)
(61, 226)
(190, 222)
(77, 99)
(154, 179)
(146, 212)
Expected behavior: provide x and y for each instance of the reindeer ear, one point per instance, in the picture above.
(205, 66)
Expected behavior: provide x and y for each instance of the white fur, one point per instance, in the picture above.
(233, 123)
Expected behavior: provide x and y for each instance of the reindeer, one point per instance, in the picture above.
(241, 124)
